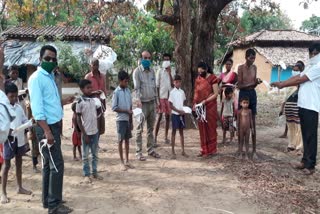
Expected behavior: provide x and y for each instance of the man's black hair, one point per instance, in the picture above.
(10, 88)
(122, 75)
(228, 91)
(83, 83)
(250, 52)
(14, 68)
(177, 77)
(166, 55)
(47, 47)
(300, 65)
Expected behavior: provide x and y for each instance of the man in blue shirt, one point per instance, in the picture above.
(47, 111)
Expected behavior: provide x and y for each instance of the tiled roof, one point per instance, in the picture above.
(50, 32)
(277, 36)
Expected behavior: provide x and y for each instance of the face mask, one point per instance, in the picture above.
(203, 74)
(48, 66)
(295, 73)
(146, 63)
(166, 64)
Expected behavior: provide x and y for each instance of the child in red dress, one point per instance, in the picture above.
(76, 135)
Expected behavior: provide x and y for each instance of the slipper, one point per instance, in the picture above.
(308, 171)
(141, 158)
(154, 154)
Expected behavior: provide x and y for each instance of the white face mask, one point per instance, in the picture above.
(295, 73)
(166, 64)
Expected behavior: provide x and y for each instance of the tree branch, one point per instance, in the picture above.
(171, 20)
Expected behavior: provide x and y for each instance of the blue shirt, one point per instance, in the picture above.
(121, 99)
(44, 97)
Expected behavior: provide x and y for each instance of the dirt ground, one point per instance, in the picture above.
(222, 184)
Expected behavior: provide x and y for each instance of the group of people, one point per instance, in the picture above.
(159, 92)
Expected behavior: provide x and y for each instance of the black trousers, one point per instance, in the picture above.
(309, 130)
(52, 181)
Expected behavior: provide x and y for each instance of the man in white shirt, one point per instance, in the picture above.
(309, 107)
(164, 85)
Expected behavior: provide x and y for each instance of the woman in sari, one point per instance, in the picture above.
(206, 92)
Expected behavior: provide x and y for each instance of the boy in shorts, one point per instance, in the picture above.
(176, 99)
(15, 146)
(122, 104)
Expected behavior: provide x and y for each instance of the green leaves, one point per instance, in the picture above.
(312, 25)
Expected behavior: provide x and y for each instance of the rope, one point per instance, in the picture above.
(201, 112)
(45, 144)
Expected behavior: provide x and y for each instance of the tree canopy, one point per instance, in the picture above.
(311, 25)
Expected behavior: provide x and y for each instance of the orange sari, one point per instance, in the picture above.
(208, 130)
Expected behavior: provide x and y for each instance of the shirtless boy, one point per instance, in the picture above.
(244, 124)
(247, 82)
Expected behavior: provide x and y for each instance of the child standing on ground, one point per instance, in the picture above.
(15, 145)
(176, 100)
(244, 124)
(88, 109)
(227, 114)
(33, 138)
(76, 135)
(122, 104)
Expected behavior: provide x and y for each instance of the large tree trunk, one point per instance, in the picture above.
(194, 27)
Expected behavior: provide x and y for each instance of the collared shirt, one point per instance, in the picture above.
(121, 99)
(177, 98)
(18, 121)
(144, 84)
(309, 91)
(44, 97)
(87, 107)
(6, 116)
(97, 83)
(163, 82)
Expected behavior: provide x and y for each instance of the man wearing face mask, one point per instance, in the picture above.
(47, 111)
(164, 84)
(146, 94)
(309, 108)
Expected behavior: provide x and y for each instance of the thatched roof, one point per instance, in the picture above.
(282, 38)
(289, 55)
(72, 33)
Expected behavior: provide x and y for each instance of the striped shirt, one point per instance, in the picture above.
(291, 108)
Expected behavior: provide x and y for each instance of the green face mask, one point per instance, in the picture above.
(48, 66)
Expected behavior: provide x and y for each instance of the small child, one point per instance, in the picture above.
(122, 104)
(227, 114)
(33, 138)
(88, 109)
(15, 145)
(14, 77)
(176, 100)
(76, 135)
(244, 124)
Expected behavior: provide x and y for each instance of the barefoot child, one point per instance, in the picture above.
(227, 114)
(176, 100)
(122, 104)
(87, 118)
(76, 135)
(15, 145)
(244, 124)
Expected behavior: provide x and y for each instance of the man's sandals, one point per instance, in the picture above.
(154, 154)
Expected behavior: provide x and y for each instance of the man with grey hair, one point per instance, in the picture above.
(146, 95)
